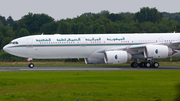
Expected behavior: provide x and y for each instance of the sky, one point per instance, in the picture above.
(62, 9)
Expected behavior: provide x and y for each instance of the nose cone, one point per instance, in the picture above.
(5, 48)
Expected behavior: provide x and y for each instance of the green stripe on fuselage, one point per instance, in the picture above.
(69, 45)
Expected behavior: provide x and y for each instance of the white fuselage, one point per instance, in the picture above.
(80, 46)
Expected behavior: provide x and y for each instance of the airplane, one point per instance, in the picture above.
(98, 48)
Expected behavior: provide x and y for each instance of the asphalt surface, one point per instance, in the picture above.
(94, 68)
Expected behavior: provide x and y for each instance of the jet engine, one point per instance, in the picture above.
(116, 57)
(93, 61)
(157, 51)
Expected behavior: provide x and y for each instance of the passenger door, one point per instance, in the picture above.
(30, 47)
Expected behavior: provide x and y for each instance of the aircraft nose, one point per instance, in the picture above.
(5, 48)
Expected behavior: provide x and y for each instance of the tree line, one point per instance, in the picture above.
(147, 20)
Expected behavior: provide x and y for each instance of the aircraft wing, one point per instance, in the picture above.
(141, 50)
(174, 45)
(134, 49)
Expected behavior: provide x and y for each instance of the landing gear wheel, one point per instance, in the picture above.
(156, 64)
(148, 65)
(31, 65)
(134, 65)
(143, 64)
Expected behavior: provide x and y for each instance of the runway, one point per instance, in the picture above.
(94, 68)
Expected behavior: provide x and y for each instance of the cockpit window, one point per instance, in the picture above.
(13, 42)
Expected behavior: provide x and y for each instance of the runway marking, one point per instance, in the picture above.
(39, 69)
(69, 69)
(84, 68)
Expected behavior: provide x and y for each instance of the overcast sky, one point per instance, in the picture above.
(62, 9)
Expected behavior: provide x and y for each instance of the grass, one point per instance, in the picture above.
(89, 85)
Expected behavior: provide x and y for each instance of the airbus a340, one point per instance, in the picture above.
(98, 48)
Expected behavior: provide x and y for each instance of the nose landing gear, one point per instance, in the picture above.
(31, 65)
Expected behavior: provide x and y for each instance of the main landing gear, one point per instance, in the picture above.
(147, 64)
(31, 65)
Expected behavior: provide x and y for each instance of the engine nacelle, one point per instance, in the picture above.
(117, 57)
(93, 61)
(157, 51)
